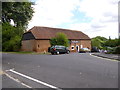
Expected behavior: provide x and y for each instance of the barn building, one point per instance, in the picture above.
(38, 38)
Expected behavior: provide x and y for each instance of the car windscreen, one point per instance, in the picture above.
(59, 47)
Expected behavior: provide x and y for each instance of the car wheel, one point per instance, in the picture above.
(68, 52)
(57, 52)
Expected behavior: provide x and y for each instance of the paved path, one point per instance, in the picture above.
(109, 56)
(73, 70)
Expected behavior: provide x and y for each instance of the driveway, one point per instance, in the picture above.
(72, 70)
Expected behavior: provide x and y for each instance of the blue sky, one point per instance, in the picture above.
(33, 0)
(79, 17)
(93, 17)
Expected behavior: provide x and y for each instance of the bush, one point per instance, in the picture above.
(53, 41)
(10, 39)
(117, 50)
(114, 50)
(111, 50)
(12, 45)
(60, 39)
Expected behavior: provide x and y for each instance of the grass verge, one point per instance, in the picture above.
(36, 53)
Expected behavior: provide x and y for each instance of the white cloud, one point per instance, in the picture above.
(104, 14)
(97, 8)
(53, 12)
(105, 30)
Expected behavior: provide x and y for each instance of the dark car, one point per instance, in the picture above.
(57, 49)
(95, 49)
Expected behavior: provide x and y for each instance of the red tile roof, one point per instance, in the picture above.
(48, 32)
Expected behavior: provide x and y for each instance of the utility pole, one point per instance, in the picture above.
(119, 19)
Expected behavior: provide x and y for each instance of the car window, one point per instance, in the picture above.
(84, 48)
(52, 47)
(60, 47)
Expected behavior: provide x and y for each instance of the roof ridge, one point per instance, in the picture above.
(59, 28)
(42, 32)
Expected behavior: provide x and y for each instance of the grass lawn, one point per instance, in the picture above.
(21, 52)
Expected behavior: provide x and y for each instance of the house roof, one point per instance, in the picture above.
(48, 32)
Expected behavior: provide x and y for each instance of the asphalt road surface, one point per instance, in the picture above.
(72, 70)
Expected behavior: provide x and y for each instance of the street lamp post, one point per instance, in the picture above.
(119, 19)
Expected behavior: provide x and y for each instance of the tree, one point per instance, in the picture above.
(60, 39)
(98, 42)
(53, 41)
(101, 38)
(20, 13)
(112, 43)
(11, 40)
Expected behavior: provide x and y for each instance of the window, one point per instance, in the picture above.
(81, 46)
(38, 45)
(72, 47)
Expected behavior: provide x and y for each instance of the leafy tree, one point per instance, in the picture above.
(60, 39)
(20, 13)
(11, 40)
(102, 38)
(118, 42)
(98, 42)
(112, 43)
(117, 50)
(53, 41)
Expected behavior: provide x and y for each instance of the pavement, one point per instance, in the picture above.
(109, 56)
(74, 70)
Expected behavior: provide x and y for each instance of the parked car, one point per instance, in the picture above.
(94, 49)
(84, 50)
(57, 49)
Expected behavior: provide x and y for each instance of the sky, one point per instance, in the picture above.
(92, 17)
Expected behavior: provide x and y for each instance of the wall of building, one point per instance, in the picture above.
(86, 43)
(75, 45)
(42, 45)
(28, 45)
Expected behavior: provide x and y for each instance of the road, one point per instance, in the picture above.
(72, 70)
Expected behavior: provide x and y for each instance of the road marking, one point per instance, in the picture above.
(33, 79)
(104, 58)
(18, 81)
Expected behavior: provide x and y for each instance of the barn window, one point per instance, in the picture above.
(38, 45)
(72, 47)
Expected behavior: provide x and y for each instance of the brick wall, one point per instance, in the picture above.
(42, 45)
(28, 45)
(73, 45)
(79, 44)
(86, 43)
